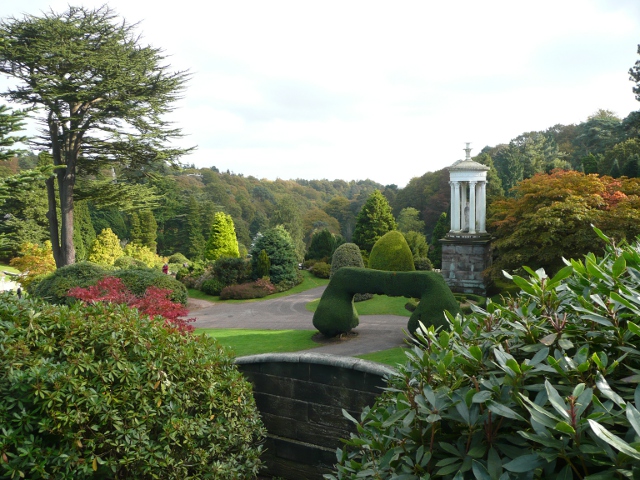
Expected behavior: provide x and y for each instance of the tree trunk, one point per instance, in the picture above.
(66, 182)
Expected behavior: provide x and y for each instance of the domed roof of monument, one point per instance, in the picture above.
(468, 165)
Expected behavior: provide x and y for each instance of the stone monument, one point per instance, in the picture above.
(466, 248)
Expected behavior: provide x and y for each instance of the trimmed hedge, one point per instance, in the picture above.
(392, 253)
(103, 392)
(336, 314)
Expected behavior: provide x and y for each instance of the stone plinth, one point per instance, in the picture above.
(464, 258)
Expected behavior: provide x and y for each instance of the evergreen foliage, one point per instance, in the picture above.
(54, 287)
(417, 243)
(143, 254)
(323, 243)
(154, 403)
(263, 265)
(222, 238)
(11, 121)
(282, 255)
(232, 271)
(346, 255)
(540, 387)
(391, 253)
(106, 248)
(108, 82)
(440, 230)
(336, 314)
(409, 221)
(83, 232)
(374, 220)
(135, 233)
(138, 280)
(148, 230)
(194, 236)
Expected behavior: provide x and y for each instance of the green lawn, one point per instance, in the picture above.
(378, 305)
(7, 268)
(309, 282)
(392, 357)
(252, 342)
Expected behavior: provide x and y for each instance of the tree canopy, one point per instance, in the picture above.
(374, 220)
(99, 94)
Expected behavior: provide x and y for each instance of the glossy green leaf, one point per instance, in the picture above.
(606, 390)
(564, 427)
(616, 442)
(524, 463)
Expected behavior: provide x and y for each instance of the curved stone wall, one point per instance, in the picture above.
(300, 397)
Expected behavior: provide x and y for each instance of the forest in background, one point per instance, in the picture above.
(180, 203)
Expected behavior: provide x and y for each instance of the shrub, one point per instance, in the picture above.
(277, 243)
(263, 265)
(257, 289)
(33, 261)
(105, 249)
(321, 270)
(231, 271)
(213, 286)
(54, 287)
(545, 386)
(423, 264)
(349, 255)
(102, 392)
(323, 244)
(138, 280)
(391, 253)
(145, 255)
(178, 258)
(128, 262)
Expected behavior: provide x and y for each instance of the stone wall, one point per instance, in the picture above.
(464, 258)
(300, 397)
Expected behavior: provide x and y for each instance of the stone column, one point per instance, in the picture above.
(472, 207)
(482, 207)
(455, 207)
(463, 205)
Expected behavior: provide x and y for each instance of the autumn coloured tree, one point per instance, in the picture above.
(33, 260)
(374, 220)
(222, 238)
(551, 217)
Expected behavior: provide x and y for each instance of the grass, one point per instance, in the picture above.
(378, 305)
(309, 281)
(252, 342)
(7, 268)
(392, 356)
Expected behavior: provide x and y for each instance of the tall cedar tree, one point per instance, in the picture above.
(100, 95)
(222, 239)
(374, 220)
(10, 122)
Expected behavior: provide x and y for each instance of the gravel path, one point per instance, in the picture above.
(375, 332)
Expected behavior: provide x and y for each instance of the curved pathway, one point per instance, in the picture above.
(375, 332)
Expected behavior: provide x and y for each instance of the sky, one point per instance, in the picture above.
(388, 91)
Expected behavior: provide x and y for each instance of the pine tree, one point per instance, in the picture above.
(439, 231)
(222, 238)
(374, 220)
(148, 230)
(10, 122)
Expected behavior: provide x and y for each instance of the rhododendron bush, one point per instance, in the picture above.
(155, 301)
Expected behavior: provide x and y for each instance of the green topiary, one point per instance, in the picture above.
(392, 253)
(543, 387)
(54, 287)
(336, 315)
(103, 392)
(139, 279)
(349, 255)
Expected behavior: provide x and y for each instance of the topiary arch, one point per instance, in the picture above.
(336, 314)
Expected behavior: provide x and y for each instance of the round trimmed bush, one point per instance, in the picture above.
(103, 392)
(138, 280)
(423, 264)
(392, 253)
(54, 287)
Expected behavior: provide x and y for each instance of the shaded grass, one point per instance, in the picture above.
(378, 305)
(392, 356)
(309, 281)
(7, 268)
(252, 342)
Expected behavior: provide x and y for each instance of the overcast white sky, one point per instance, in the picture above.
(381, 90)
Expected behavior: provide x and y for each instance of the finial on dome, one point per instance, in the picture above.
(468, 150)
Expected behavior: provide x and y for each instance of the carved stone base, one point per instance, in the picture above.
(464, 257)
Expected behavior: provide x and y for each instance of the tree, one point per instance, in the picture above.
(374, 220)
(222, 239)
(148, 230)
(10, 122)
(83, 232)
(106, 248)
(100, 95)
(277, 243)
(323, 243)
(287, 214)
(409, 220)
(33, 260)
(440, 230)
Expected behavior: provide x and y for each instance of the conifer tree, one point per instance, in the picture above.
(10, 122)
(439, 231)
(148, 230)
(374, 220)
(135, 234)
(222, 239)
(83, 232)
(106, 248)
(195, 242)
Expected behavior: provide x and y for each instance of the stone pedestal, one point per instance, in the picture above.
(464, 258)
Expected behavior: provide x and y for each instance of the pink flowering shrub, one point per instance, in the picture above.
(155, 301)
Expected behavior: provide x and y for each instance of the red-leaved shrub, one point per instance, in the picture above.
(154, 302)
(258, 289)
